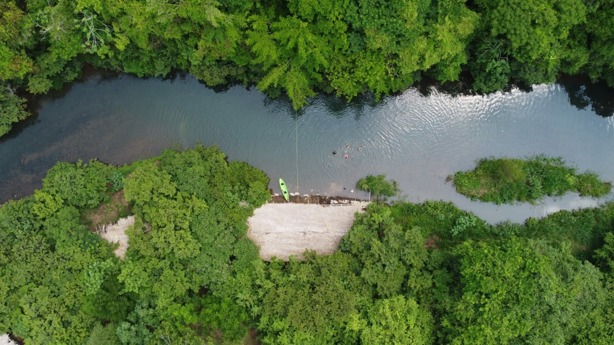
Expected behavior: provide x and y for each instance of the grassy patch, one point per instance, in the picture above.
(508, 180)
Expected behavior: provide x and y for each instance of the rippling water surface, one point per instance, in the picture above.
(413, 139)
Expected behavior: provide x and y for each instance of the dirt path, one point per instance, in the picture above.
(284, 229)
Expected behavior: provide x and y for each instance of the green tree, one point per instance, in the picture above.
(509, 289)
(391, 259)
(59, 42)
(600, 64)
(42, 267)
(291, 56)
(533, 35)
(80, 185)
(490, 69)
(15, 37)
(12, 108)
(450, 34)
(189, 234)
(605, 254)
(378, 187)
(308, 302)
(396, 321)
(103, 335)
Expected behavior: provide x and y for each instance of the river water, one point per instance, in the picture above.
(416, 140)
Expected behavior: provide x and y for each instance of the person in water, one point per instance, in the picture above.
(346, 156)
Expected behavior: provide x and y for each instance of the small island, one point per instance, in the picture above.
(509, 180)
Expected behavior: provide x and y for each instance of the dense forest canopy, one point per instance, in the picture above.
(300, 47)
(405, 273)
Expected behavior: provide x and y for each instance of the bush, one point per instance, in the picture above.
(588, 184)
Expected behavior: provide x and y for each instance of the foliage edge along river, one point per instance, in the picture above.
(419, 273)
(299, 47)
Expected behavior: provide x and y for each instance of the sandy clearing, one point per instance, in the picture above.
(116, 233)
(5, 340)
(282, 230)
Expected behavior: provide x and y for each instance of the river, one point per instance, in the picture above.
(416, 140)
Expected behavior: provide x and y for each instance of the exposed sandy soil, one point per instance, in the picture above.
(116, 233)
(284, 229)
(5, 340)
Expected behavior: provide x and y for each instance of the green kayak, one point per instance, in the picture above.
(284, 189)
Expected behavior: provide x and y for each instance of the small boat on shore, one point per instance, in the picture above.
(284, 189)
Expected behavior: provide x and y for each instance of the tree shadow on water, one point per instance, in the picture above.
(335, 106)
(580, 90)
(582, 93)
(461, 87)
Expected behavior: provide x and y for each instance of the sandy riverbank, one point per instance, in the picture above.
(284, 229)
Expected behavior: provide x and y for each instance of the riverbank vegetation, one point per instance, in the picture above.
(301, 47)
(378, 187)
(508, 180)
(405, 273)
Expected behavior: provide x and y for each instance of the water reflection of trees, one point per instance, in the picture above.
(335, 106)
(583, 93)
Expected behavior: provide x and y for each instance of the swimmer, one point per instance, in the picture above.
(334, 153)
(360, 148)
(346, 156)
(347, 146)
